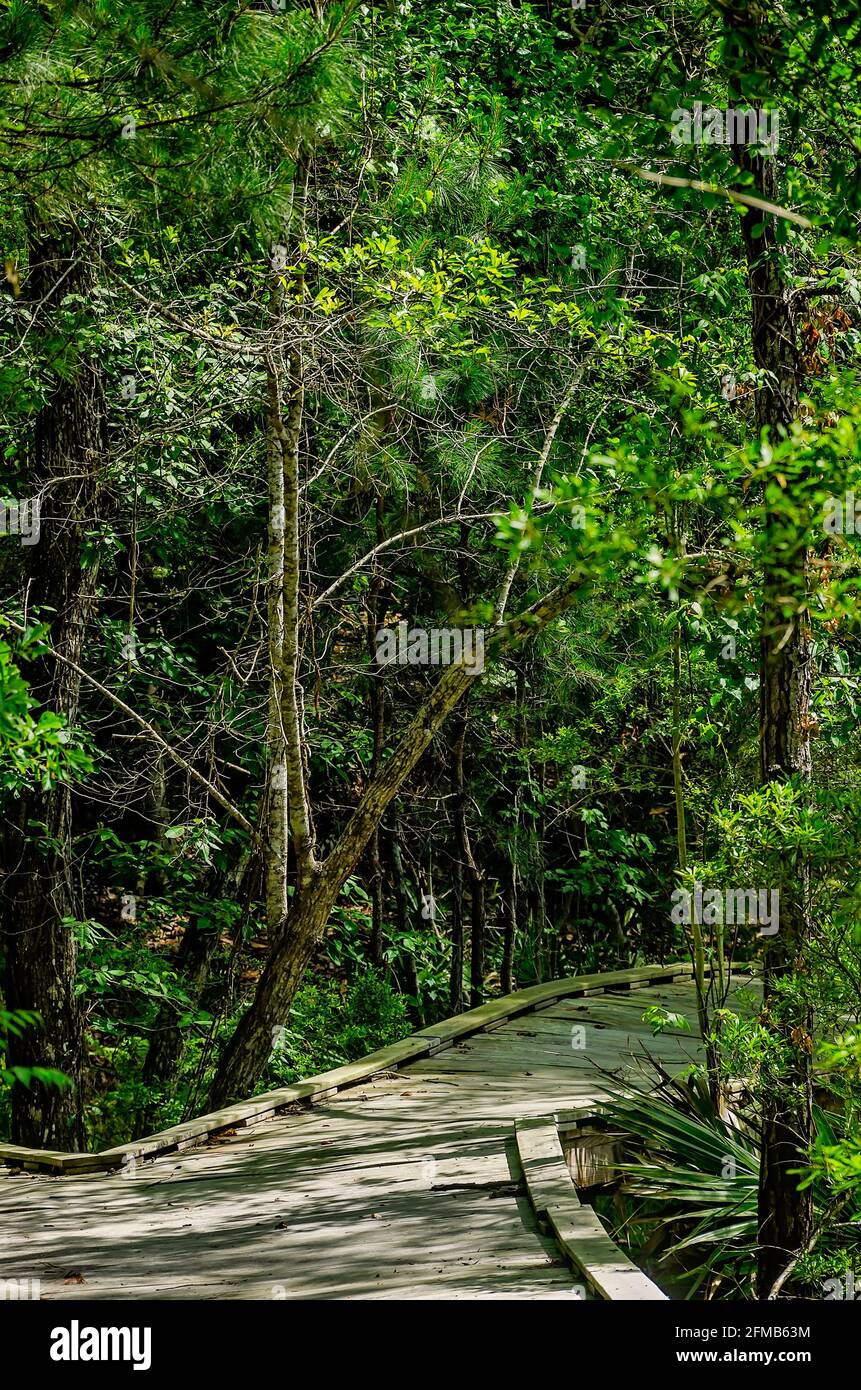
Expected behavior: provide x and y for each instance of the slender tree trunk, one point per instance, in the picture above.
(458, 915)
(69, 449)
(467, 867)
(521, 860)
(545, 944)
(538, 917)
(477, 925)
(508, 908)
(289, 810)
(461, 852)
(455, 976)
(697, 940)
(407, 959)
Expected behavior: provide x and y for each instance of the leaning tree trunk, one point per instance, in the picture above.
(318, 884)
(785, 1213)
(69, 446)
(316, 892)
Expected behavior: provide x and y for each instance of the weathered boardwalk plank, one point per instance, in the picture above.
(406, 1186)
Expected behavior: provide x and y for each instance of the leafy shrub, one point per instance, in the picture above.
(331, 1024)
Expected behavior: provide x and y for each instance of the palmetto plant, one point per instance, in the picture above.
(688, 1181)
(690, 1175)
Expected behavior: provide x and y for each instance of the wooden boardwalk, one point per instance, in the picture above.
(407, 1186)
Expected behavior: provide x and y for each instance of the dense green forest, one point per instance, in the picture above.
(430, 443)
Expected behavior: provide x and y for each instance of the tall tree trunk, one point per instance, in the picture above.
(458, 915)
(538, 915)
(508, 913)
(516, 888)
(477, 924)
(407, 958)
(69, 449)
(785, 1214)
(456, 963)
(468, 870)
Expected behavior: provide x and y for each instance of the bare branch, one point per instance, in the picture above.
(152, 732)
(450, 688)
(538, 474)
(733, 194)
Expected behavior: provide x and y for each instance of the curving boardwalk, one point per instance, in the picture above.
(408, 1185)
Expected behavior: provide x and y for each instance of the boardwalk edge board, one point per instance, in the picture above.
(576, 1228)
(315, 1088)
